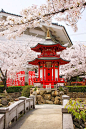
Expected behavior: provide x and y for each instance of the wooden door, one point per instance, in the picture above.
(49, 74)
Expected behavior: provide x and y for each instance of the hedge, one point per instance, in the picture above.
(12, 89)
(76, 88)
(1, 88)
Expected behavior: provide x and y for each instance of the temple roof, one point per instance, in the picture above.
(2, 12)
(37, 60)
(58, 32)
(48, 44)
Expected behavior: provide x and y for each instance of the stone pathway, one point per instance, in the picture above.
(43, 117)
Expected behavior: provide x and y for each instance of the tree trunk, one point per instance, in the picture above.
(4, 78)
(69, 81)
(4, 82)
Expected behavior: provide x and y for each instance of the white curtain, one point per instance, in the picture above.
(41, 73)
(56, 74)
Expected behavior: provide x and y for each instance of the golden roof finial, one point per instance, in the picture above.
(48, 34)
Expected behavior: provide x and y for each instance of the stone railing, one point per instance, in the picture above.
(2, 121)
(67, 122)
(12, 113)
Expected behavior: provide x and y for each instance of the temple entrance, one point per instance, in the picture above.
(48, 74)
(48, 71)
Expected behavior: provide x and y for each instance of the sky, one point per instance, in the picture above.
(15, 7)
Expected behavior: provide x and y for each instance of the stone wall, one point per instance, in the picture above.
(54, 96)
(50, 96)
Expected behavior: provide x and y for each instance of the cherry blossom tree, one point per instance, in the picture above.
(61, 10)
(77, 56)
(14, 56)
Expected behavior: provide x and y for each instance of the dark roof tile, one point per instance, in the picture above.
(2, 11)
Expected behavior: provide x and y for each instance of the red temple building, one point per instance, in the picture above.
(48, 62)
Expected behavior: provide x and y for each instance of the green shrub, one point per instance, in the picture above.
(76, 88)
(1, 88)
(12, 89)
(73, 106)
(26, 91)
(61, 88)
(35, 89)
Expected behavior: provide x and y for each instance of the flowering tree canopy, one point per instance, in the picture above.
(14, 55)
(61, 10)
(77, 56)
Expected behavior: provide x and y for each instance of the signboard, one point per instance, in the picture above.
(31, 76)
(48, 64)
(18, 80)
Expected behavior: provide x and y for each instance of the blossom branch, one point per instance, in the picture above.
(63, 10)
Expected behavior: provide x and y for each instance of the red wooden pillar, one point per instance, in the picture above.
(58, 71)
(43, 77)
(53, 71)
(39, 71)
(43, 72)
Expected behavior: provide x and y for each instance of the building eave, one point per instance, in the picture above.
(65, 32)
(36, 61)
(58, 32)
(3, 13)
(41, 45)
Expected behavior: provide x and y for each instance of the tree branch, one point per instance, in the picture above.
(46, 15)
(6, 73)
(2, 73)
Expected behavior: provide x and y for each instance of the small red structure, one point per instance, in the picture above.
(48, 62)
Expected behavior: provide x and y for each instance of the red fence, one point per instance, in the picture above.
(78, 83)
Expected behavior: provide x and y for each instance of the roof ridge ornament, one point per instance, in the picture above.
(48, 34)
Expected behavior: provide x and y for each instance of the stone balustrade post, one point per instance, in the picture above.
(67, 122)
(30, 106)
(5, 111)
(1, 121)
(65, 99)
(32, 96)
(23, 98)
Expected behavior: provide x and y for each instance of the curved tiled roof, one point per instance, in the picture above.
(37, 60)
(2, 11)
(64, 29)
(48, 43)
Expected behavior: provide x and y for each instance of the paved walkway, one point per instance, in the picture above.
(43, 117)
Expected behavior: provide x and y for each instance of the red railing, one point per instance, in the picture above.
(37, 79)
(56, 80)
(61, 79)
(79, 83)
